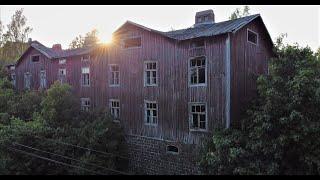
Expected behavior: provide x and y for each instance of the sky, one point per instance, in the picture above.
(61, 24)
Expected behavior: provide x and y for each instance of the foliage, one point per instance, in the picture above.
(7, 95)
(280, 134)
(90, 39)
(238, 13)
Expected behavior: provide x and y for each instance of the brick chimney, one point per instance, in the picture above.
(204, 17)
(56, 47)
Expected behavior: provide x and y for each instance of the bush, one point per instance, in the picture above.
(7, 94)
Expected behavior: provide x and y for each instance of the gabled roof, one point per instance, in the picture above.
(202, 30)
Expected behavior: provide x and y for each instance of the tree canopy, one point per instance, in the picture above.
(90, 39)
(238, 13)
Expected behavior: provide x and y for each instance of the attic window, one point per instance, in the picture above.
(85, 58)
(35, 58)
(252, 37)
(172, 149)
(132, 42)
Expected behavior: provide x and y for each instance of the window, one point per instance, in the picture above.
(197, 113)
(172, 149)
(35, 58)
(252, 37)
(115, 109)
(197, 68)
(27, 80)
(150, 73)
(62, 61)
(85, 76)
(62, 74)
(115, 75)
(13, 79)
(151, 113)
(85, 58)
(132, 42)
(43, 80)
(85, 104)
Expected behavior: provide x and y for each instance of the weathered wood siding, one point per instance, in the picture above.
(248, 61)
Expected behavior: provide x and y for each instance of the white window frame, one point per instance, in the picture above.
(43, 82)
(63, 61)
(189, 72)
(131, 37)
(34, 56)
(24, 78)
(82, 77)
(253, 33)
(111, 107)
(87, 59)
(191, 120)
(111, 72)
(60, 75)
(151, 70)
(145, 113)
(85, 107)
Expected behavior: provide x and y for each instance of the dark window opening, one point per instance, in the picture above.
(132, 42)
(35, 58)
(252, 37)
(172, 149)
(198, 70)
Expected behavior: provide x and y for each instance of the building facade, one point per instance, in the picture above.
(169, 90)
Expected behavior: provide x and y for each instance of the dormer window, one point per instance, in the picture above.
(35, 58)
(252, 37)
(132, 42)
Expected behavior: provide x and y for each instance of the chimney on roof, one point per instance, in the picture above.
(204, 17)
(56, 47)
(29, 40)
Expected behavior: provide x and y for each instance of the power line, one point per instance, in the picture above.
(66, 157)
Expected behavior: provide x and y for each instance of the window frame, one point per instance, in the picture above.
(145, 74)
(189, 72)
(82, 77)
(60, 75)
(24, 80)
(131, 37)
(110, 107)
(31, 56)
(62, 61)
(13, 80)
(190, 104)
(145, 113)
(45, 79)
(253, 33)
(85, 60)
(110, 73)
(85, 106)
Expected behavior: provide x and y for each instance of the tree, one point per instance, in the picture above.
(238, 14)
(280, 133)
(90, 39)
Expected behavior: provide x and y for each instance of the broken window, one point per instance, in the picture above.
(43, 79)
(62, 74)
(132, 42)
(150, 73)
(252, 37)
(197, 71)
(115, 75)
(115, 109)
(85, 104)
(151, 113)
(85, 76)
(197, 113)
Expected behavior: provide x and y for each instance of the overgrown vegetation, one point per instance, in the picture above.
(37, 128)
(280, 133)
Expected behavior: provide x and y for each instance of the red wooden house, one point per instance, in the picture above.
(169, 90)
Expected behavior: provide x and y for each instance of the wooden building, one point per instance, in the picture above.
(169, 90)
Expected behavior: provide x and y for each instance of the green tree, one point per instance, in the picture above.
(90, 39)
(280, 133)
(238, 13)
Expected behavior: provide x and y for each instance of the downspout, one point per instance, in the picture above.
(228, 81)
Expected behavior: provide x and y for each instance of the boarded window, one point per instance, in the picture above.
(197, 113)
(197, 73)
(85, 79)
(172, 149)
(252, 37)
(132, 42)
(27, 80)
(150, 73)
(114, 75)
(85, 104)
(43, 79)
(62, 74)
(151, 113)
(115, 109)
(35, 58)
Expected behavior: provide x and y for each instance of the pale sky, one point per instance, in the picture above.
(61, 24)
